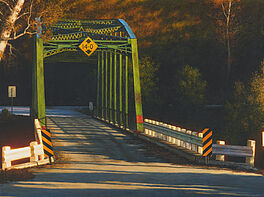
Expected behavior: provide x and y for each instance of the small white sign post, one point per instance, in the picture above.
(12, 95)
(91, 107)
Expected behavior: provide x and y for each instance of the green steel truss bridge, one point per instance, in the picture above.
(109, 42)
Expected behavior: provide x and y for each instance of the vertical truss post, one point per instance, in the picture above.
(115, 95)
(98, 84)
(120, 89)
(102, 96)
(38, 92)
(126, 115)
(137, 89)
(111, 87)
(106, 86)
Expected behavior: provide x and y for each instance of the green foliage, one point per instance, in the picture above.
(190, 90)
(149, 83)
(189, 86)
(236, 115)
(257, 88)
(245, 111)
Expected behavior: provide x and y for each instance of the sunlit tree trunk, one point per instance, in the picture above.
(8, 26)
(228, 15)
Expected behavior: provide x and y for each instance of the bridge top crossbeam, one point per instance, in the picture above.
(67, 35)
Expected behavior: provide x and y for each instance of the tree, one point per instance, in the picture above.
(19, 18)
(149, 84)
(190, 86)
(226, 27)
(9, 23)
(245, 111)
(189, 93)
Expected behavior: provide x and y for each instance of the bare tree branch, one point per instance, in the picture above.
(26, 32)
(223, 8)
(11, 49)
(7, 4)
(26, 13)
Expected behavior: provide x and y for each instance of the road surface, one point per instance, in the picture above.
(96, 160)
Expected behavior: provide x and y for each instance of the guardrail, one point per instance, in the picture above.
(193, 141)
(34, 152)
(181, 137)
(221, 149)
(176, 135)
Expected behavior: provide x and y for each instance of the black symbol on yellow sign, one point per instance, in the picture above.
(88, 46)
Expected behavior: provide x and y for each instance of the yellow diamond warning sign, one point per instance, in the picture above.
(88, 46)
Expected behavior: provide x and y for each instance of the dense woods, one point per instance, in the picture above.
(194, 53)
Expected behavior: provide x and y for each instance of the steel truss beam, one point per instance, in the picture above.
(117, 55)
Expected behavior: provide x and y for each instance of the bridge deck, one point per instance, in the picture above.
(97, 160)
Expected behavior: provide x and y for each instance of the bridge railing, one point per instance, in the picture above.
(193, 141)
(34, 152)
(123, 120)
(190, 140)
(221, 150)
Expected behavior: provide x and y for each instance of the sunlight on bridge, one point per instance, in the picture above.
(110, 176)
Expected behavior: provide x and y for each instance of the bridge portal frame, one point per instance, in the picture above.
(114, 38)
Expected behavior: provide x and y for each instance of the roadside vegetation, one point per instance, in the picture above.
(200, 63)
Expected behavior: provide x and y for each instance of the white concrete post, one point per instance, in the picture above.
(251, 160)
(33, 154)
(194, 147)
(165, 137)
(200, 149)
(6, 163)
(42, 156)
(91, 107)
(183, 144)
(189, 145)
(220, 157)
(178, 142)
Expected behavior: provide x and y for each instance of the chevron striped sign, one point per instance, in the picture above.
(207, 142)
(47, 145)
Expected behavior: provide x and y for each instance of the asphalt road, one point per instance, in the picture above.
(97, 160)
